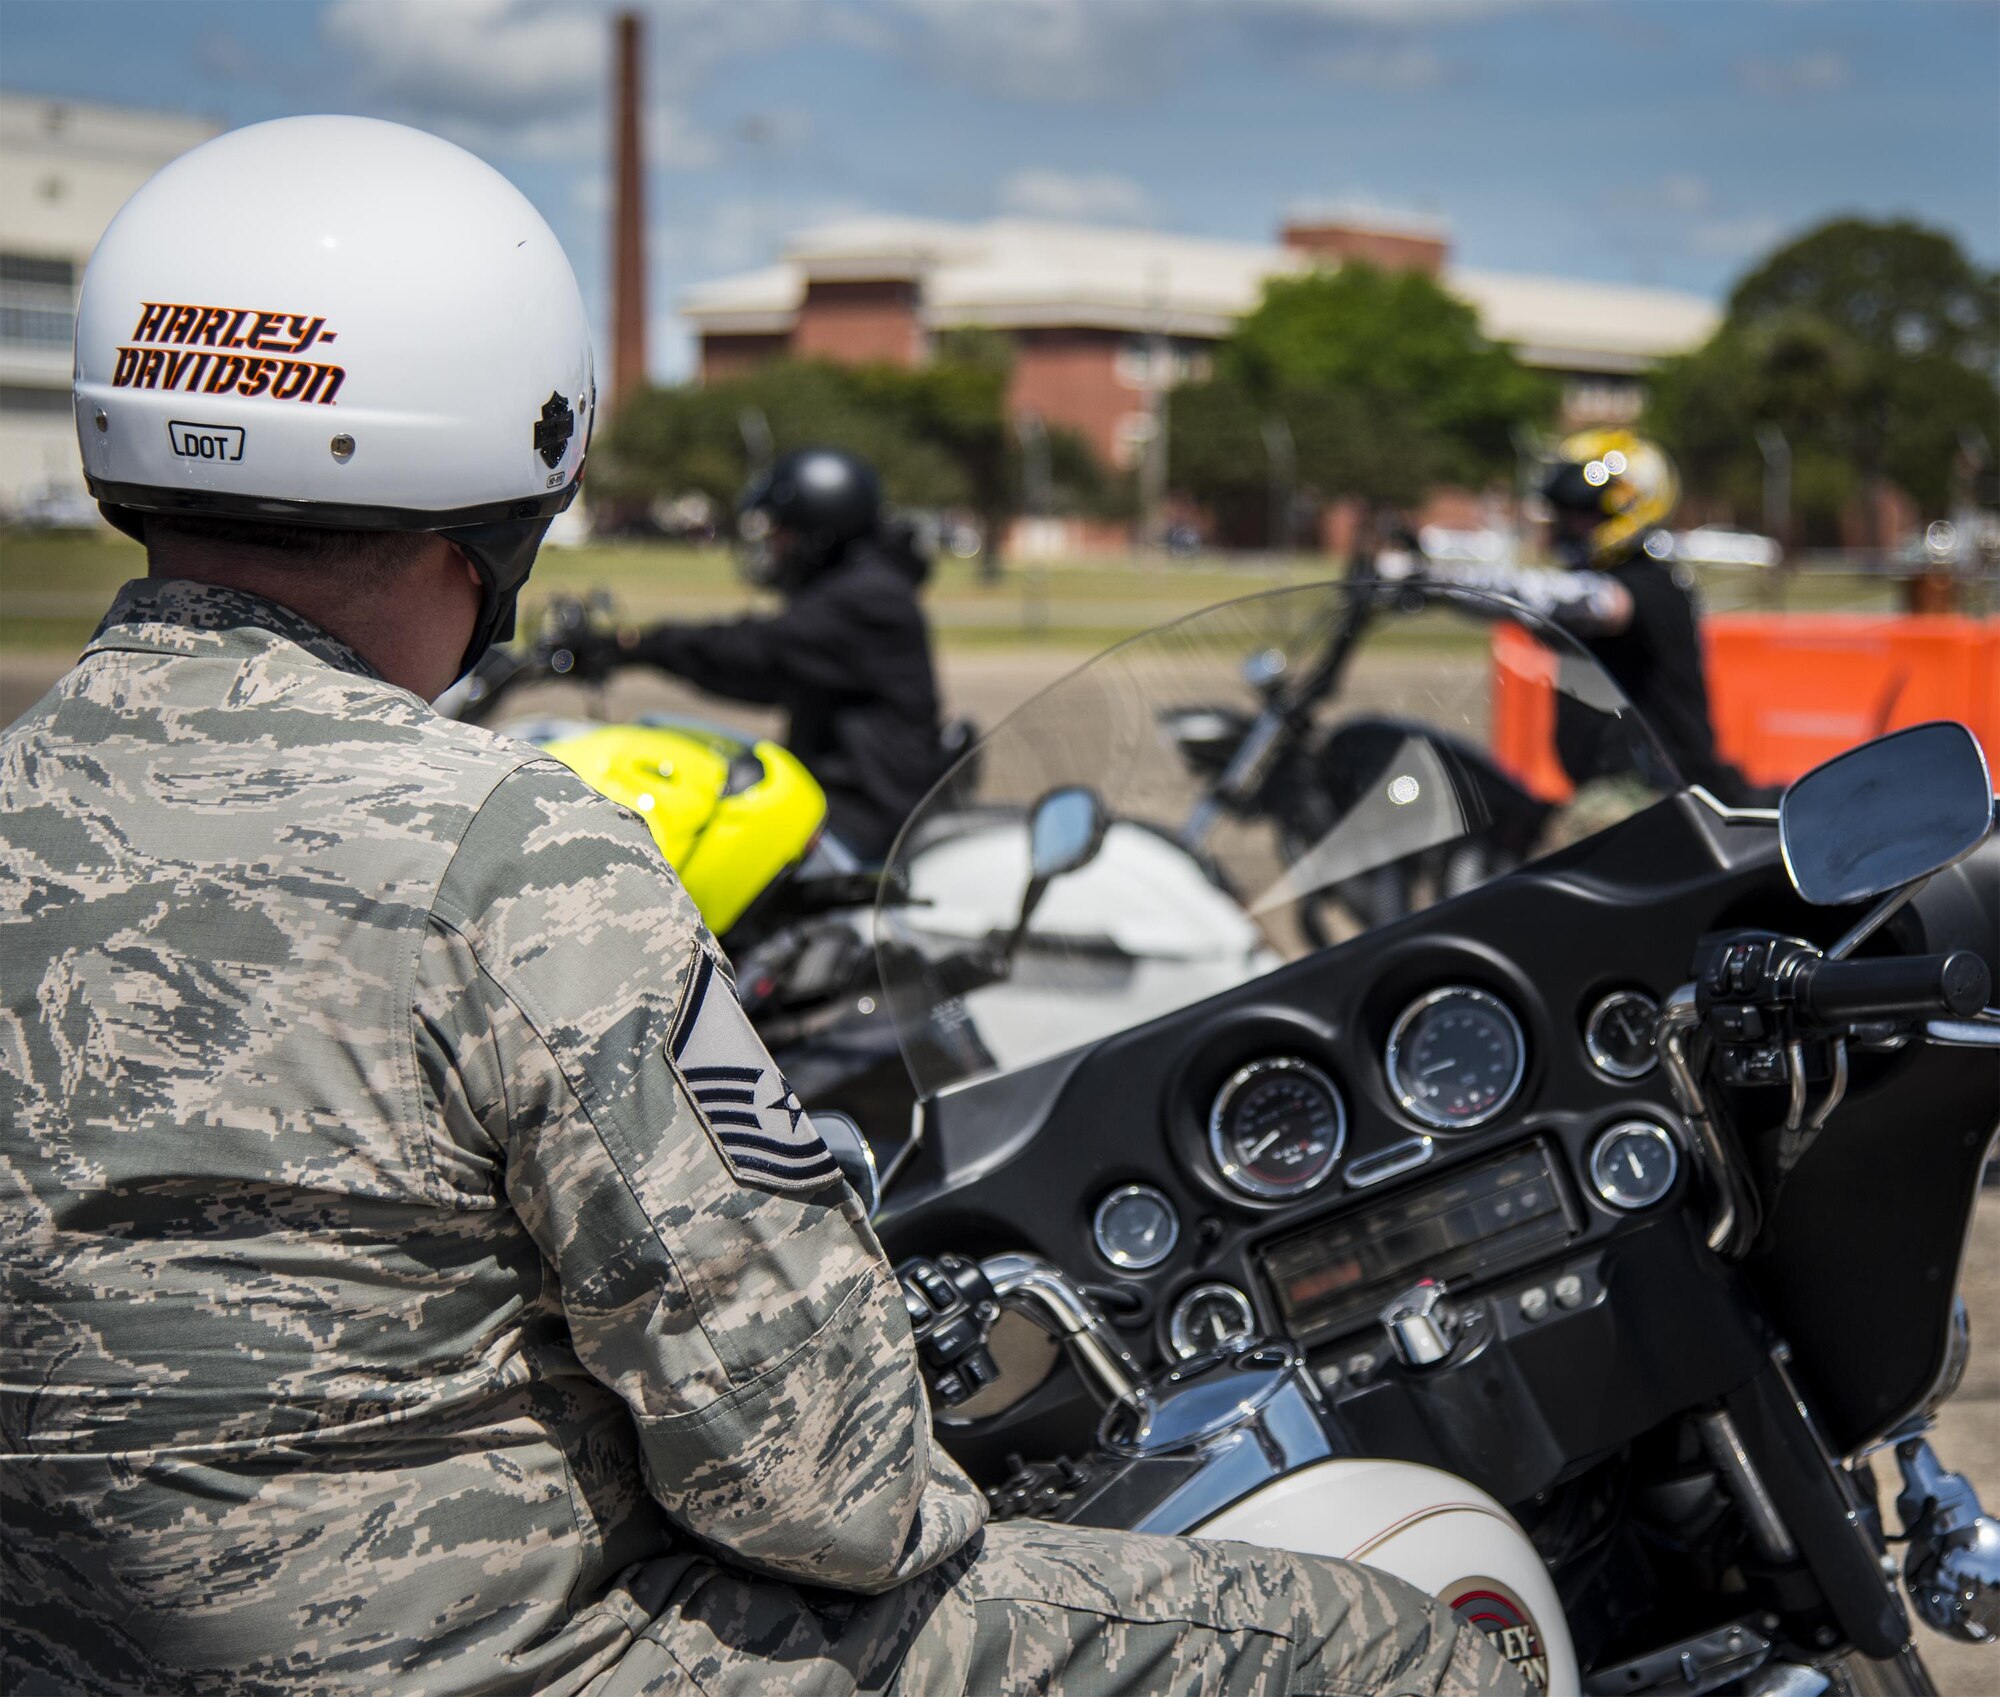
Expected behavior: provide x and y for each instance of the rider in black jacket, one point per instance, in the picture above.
(1623, 596)
(847, 656)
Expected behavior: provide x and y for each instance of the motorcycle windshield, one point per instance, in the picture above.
(1274, 775)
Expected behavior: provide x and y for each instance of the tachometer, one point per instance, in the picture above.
(1277, 1128)
(1456, 1057)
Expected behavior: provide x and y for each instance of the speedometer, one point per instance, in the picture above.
(1277, 1128)
(1456, 1057)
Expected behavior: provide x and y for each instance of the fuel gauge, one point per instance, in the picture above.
(1619, 1034)
(1208, 1317)
(1634, 1164)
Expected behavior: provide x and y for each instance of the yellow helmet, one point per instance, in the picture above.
(1617, 477)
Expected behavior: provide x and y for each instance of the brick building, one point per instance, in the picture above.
(1102, 317)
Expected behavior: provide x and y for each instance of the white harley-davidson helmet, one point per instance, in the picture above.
(342, 323)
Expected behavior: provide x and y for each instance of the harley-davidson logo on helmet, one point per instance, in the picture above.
(1504, 1618)
(554, 429)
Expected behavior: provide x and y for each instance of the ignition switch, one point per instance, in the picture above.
(1421, 1328)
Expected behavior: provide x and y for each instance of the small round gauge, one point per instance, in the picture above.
(1208, 1317)
(1633, 1165)
(1135, 1227)
(1456, 1057)
(1277, 1128)
(1619, 1034)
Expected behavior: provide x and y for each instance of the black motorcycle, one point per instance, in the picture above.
(1568, 1246)
(1279, 762)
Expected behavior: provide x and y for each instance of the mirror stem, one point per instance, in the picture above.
(1876, 917)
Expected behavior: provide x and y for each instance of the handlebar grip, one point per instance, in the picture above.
(1911, 986)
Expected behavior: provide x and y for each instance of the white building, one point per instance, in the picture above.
(66, 167)
(1084, 306)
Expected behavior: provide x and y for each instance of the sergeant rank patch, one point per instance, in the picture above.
(762, 1130)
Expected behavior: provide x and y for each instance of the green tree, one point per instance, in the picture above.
(938, 433)
(1873, 347)
(1383, 379)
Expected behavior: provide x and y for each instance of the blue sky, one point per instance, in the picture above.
(1659, 141)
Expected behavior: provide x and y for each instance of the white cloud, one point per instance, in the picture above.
(1032, 49)
(1400, 66)
(738, 233)
(1067, 50)
(1737, 237)
(1085, 195)
(1818, 70)
(531, 78)
(1683, 191)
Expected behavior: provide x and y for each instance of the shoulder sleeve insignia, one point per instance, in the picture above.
(758, 1125)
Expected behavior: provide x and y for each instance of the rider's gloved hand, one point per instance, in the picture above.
(594, 651)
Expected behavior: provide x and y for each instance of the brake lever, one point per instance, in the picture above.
(1975, 1031)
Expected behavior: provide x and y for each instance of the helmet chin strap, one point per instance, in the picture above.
(503, 553)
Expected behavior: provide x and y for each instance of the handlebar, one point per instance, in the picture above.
(1840, 992)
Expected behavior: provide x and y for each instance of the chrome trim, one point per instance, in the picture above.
(1414, 1012)
(1594, 1049)
(1724, 1445)
(1231, 1171)
(1118, 1258)
(1181, 1342)
(1732, 1214)
(1733, 815)
(1952, 1570)
(1399, 1158)
(1688, 1667)
(1607, 1188)
(1880, 914)
(1980, 1031)
(1042, 1292)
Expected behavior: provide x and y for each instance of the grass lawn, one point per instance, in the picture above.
(55, 585)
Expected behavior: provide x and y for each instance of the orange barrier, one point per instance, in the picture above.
(1785, 691)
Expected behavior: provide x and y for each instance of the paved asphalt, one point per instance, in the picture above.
(985, 686)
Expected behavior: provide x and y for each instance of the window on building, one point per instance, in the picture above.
(37, 300)
(1601, 400)
(37, 268)
(1183, 361)
(37, 326)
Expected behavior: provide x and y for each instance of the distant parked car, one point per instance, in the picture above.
(57, 506)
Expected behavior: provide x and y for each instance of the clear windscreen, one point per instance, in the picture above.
(1274, 775)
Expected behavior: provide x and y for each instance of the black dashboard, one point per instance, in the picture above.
(1465, 1095)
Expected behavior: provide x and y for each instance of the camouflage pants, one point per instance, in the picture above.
(1045, 1609)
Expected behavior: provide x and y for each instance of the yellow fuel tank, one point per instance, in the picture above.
(732, 816)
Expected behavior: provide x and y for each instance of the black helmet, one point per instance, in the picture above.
(809, 505)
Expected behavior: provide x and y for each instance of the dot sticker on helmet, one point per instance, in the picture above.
(205, 441)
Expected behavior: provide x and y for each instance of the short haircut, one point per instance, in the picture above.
(365, 554)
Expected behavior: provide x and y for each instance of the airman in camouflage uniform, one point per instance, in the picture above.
(381, 1312)
(415, 1277)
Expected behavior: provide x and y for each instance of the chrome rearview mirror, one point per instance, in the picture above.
(1065, 833)
(1885, 814)
(853, 1155)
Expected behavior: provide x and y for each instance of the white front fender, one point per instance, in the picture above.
(1428, 1527)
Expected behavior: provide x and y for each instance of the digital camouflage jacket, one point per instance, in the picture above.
(382, 1312)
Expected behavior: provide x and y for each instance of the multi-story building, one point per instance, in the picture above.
(1102, 318)
(65, 169)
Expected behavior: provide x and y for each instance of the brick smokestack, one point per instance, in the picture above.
(628, 229)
